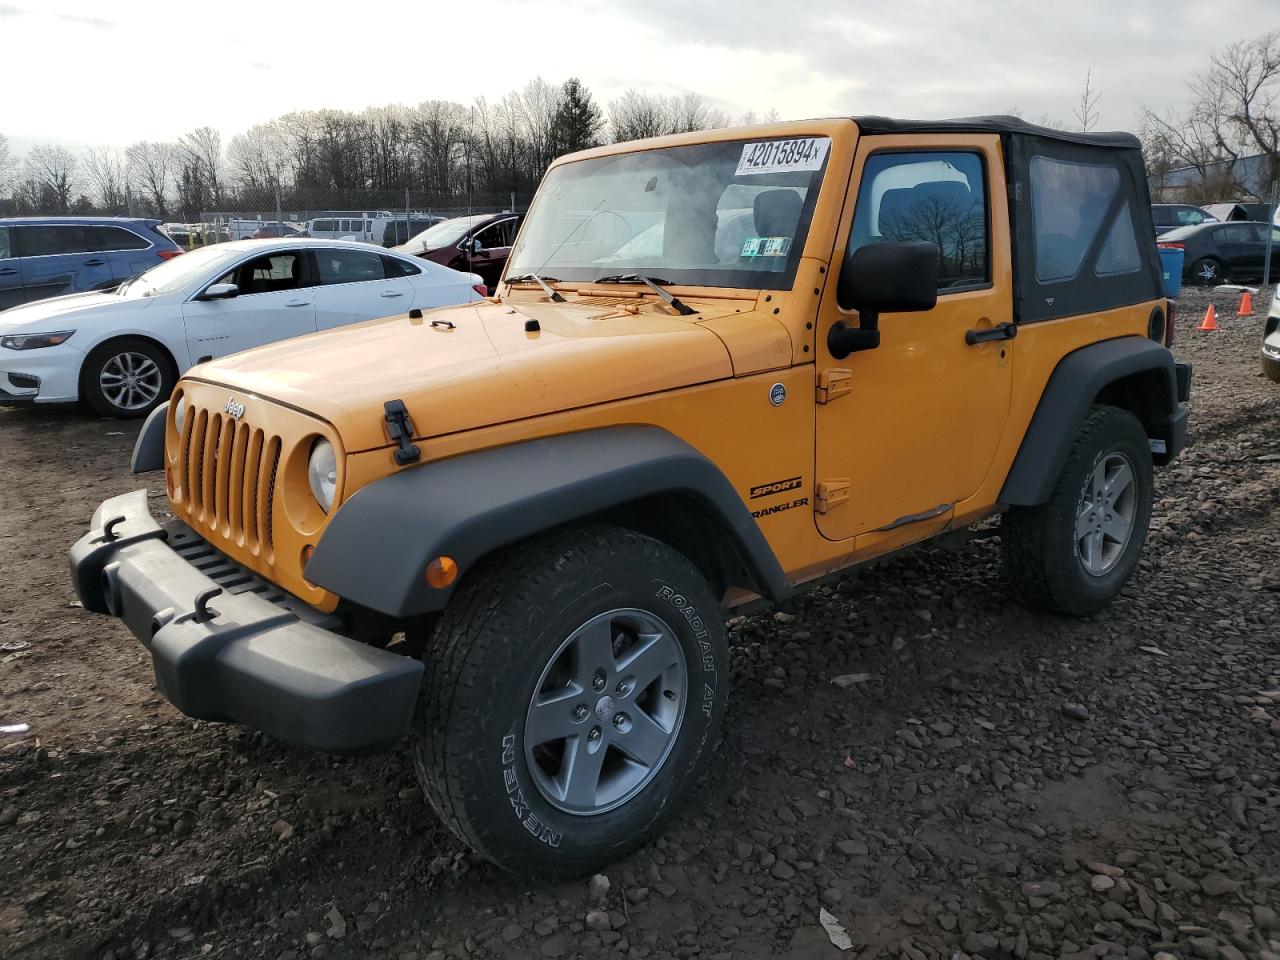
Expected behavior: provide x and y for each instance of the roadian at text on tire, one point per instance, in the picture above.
(720, 366)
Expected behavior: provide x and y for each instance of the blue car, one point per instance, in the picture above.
(50, 256)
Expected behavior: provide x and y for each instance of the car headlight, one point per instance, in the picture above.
(179, 410)
(322, 473)
(33, 341)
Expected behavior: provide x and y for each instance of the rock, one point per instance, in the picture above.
(598, 887)
(598, 920)
(1101, 883)
(1206, 947)
(831, 896)
(1076, 711)
(337, 924)
(1264, 918)
(983, 943)
(910, 738)
(1216, 885)
(851, 848)
(783, 870)
(512, 931)
(556, 945)
(847, 680)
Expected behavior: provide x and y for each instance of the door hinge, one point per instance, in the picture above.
(834, 382)
(831, 493)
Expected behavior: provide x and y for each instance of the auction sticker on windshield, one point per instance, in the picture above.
(783, 156)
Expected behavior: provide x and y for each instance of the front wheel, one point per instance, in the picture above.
(1207, 271)
(126, 378)
(1271, 368)
(575, 686)
(1074, 554)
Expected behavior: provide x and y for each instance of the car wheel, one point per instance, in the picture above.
(1074, 554)
(1271, 368)
(1206, 271)
(126, 378)
(575, 687)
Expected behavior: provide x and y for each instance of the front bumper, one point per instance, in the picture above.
(227, 646)
(54, 371)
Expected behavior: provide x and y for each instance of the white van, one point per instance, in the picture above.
(353, 226)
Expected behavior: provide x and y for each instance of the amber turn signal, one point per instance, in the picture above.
(441, 572)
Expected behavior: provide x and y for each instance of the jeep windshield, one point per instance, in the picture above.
(727, 214)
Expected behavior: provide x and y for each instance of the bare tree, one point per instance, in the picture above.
(692, 111)
(53, 169)
(6, 164)
(1086, 112)
(203, 150)
(259, 157)
(636, 115)
(153, 166)
(107, 180)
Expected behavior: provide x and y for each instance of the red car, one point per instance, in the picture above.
(476, 244)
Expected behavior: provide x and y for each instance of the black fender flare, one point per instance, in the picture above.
(148, 449)
(1073, 386)
(375, 549)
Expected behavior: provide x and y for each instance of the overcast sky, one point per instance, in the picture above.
(96, 73)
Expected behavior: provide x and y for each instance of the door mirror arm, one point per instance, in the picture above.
(888, 277)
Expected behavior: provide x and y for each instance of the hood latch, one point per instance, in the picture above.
(400, 430)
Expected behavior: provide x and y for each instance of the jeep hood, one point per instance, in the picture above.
(459, 368)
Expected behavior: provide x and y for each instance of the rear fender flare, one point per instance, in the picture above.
(1076, 384)
(375, 550)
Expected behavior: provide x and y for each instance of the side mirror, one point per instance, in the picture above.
(220, 291)
(881, 278)
(474, 246)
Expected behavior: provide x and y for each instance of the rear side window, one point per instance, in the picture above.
(325, 225)
(395, 267)
(1069, 204)
(1163, 217)
(937, 197)
(51, 240)
(114, 238)
(5, 250)
(348, 266)
(1119, 253)
(1190, 216)
(1237, 233)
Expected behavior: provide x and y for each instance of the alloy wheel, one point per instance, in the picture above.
(130, 381)
(1105, 514)
(606, 712)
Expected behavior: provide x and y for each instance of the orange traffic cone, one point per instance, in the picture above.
(1246, 305)
(1210, 321)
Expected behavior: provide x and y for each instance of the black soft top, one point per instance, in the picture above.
(1079, 210)
(997, 124)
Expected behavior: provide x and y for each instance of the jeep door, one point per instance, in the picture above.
(918, 428)
(276, 301)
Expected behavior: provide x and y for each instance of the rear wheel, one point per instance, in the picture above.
(575, 688)
(126, 378)
(1074, 554)
(1207, 271)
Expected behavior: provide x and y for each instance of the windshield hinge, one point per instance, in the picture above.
(834, 382)
(400, 430)
(832, 493)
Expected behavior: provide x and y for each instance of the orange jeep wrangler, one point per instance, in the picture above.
(720, 367)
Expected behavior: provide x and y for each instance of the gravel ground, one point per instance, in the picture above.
(981, 780)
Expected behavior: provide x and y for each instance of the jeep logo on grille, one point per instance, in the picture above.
(234, 409)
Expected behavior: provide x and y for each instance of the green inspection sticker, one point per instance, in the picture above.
(766, 246)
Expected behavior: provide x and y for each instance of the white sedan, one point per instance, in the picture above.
(122, 351)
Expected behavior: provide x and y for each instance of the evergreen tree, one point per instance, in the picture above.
(577, 121)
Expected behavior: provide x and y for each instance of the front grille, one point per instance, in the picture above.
(227, 473)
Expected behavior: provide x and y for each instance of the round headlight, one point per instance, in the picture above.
(179, 409)
(322, 473)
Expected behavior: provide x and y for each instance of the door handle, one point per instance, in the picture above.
(298, 303)
(1001, 331)
(95, 263)
(391, 293)
(8, 271)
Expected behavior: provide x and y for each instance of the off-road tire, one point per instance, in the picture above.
(1271, 368)
(1041, 560)
(1198, 269)
(91, 390)
(487, 654)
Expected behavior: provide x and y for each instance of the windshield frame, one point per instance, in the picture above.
(722, 278)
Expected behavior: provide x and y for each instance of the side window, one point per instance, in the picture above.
(348, 266)
(1190, 216)
(1069, 201)
(51, 240)
(1163, 217)
(491, 236)
(270, 273)
(395, 267)
(322, 226)
(937, 197)
(1119, 253)
(1235, 233)
(113, 238)
(5, 250)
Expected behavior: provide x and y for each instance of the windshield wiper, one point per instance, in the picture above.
(540, 281)
(653, 284)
